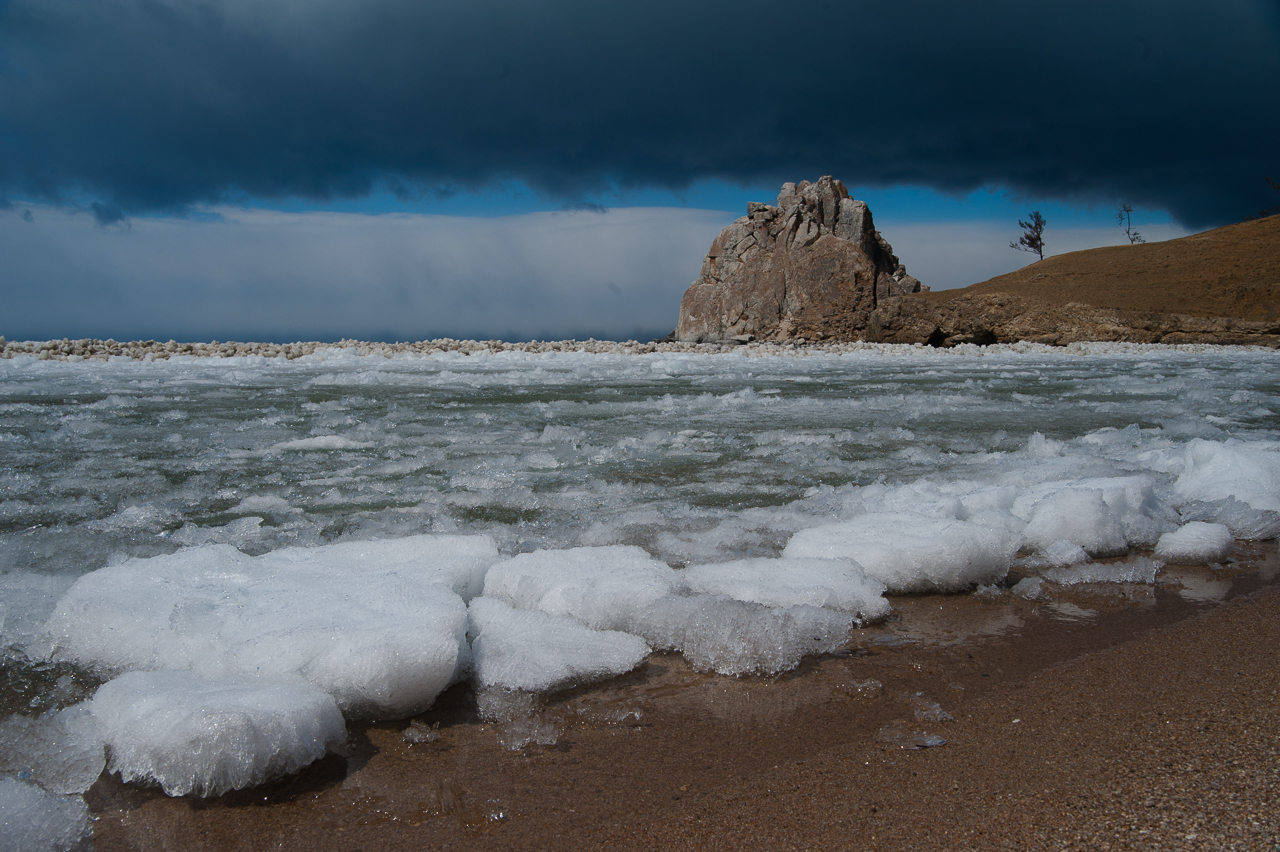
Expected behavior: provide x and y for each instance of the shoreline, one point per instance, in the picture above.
(92, 349)
(1148, 724)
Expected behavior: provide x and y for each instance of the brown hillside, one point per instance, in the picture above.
(1227, 272)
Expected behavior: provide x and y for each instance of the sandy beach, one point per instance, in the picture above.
(1123, 717)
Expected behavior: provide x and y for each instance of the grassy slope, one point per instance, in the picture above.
(1232, 271)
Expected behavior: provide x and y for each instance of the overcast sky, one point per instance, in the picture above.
(399, 169)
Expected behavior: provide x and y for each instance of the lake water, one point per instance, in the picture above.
(932, 470)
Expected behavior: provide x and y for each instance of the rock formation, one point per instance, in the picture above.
(812, 267)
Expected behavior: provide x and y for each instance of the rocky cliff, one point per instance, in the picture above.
(814, 266)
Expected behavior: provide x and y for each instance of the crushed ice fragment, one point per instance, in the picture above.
(895, 736)
(519, 715)
(1031, 588)
(1137, 569)
(869, 688)
(1196, 543)
(929, 711)
(719, 634)
(418, 732)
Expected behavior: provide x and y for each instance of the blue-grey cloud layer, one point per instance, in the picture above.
(152, 104)
(265, 275)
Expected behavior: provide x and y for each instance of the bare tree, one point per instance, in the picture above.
(1125, 217)
(1271, 211)
(1032, 239)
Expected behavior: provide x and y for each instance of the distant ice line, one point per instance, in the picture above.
(88, 349)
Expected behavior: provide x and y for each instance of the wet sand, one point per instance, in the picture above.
(1122, 717)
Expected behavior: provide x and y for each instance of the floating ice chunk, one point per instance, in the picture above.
(520, 716)
(831, 583)
(61, 751)
(1196, 543)
(1138, 569)
(603, 587)
(734, 637)
(35, 820)
(378, 625)
(321, 442)
(1076, 516)
(1031, 588)
(192, 735)
(912, 553)
(1216, 471)
(241, 531)
(533, 651)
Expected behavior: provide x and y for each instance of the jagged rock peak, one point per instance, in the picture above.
(812, 265)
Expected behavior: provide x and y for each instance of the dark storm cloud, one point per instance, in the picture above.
(155, 104)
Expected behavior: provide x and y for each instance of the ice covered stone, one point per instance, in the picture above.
(838, 584)
(602, 587)
(36, 820)
(912, 553)
(207, 736)
(1196, 543)
(532, 651)
(720, 634)
(378, 625)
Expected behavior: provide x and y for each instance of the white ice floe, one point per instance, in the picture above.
(379, 625)
(532, 651)
(36, 820)
(1196, 543)
(732, 637)
(912, 553)
(837, 584)
(206, 736)
(602, 587)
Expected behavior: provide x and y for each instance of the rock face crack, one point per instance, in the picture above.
(813, 266)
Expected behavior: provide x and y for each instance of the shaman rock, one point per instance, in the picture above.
(814, 266)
